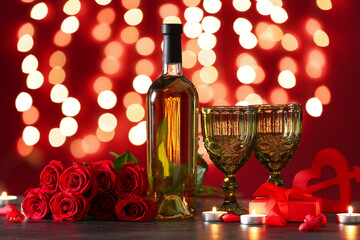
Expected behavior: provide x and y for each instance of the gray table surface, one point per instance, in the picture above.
(172, 230)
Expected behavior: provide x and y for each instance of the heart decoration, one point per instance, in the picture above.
(333, 158)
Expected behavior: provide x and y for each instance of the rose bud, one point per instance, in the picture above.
(49, 177)
(131, 179)
(105, 175)
(135, 208)
(36, 203)
(79, 179)
(68, 206)
(102, 207)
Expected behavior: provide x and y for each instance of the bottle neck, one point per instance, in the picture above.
(172, 55)
(172, 69)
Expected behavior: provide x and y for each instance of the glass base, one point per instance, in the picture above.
(233, 208)
(172, 207)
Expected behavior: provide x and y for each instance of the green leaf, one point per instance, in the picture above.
(203, 162)
(125, 158)
(85, 164)
(200, 176)
(114, 154)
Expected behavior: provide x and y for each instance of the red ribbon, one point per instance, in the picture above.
(277, 207)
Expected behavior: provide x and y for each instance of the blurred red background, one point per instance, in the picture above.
(336, 127)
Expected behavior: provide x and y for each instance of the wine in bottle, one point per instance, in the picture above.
(172, 127)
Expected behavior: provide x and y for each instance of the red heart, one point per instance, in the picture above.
(333, 158)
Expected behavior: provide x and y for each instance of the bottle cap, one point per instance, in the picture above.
(171, 28)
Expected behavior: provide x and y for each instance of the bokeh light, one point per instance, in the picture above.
(145, 67)
(103, 2)
(107, 99)
(241, 5)
(212, 6)
(101, 32)
(23, 149)
(135, 112)
(25, 43)
(205, 93)
(323, 94)
(23, 102)
(110, 65)
(133, 16)
(104, 136)
(34, 80)
(39, 11)
(207, 41)
(253, 98)
(314, 107)
(70, 107)
(311, 26)
(142, 83)
(321, 38)
(68, 126)
(264, 7)
(208, 74)
(29, 64)
(207, 57)
(76, 149)
(137, 134)
(193, 14)
(56, 75)
(192, 29)
(31, 135)
(59, 93)
(102, 84)
(189, 59)
(132, 98)
(279, 96)
(31, 116)
(90, 144)
(57, 59)
(191, 3)
(287, 79)
(243, 91)
(242, 26)
(106, 15)
(26, 28)
(145, 46)
(278, 15)
(129, 4)
(56, 138)
(129, 35)
(113, 49)
(72, 7)
(289, 42)
(62, 39)
(324, 4)
(246, 74)
(248, 40)
(168, 9)
(70, 25)
(288, 63)
(107, 122)
(210, 24)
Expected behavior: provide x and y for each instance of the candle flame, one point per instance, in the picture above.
(4, 194)
(253, 212)
(350, 209)
(214, 210)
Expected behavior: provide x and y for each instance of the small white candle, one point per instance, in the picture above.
(252, 219)
(7, 199)
(212, 216)
(349, 217)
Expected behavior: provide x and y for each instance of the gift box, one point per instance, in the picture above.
(291, 210)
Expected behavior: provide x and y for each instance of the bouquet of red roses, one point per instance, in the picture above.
(105, 190)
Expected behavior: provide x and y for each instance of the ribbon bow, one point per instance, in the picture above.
(277, 208)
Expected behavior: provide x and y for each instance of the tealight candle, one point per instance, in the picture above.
(252, 219)
(7, 199)
(212, 216)
(349, 217)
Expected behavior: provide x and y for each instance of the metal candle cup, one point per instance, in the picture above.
(348, 218)
(253, 219)
(212, 216)
(6, 199)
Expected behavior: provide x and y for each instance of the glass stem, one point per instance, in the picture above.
(275, 178)
(230, 186)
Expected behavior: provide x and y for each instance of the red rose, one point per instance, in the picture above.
(131, 179)
(102, 207)
(49, 177)
(105, 176)
(68, 206)
(136, 208)
(36, 203)
(79, 179)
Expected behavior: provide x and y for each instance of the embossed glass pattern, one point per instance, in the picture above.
(278, 137)
(228, 134)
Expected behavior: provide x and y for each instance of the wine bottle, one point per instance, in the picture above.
(172, 133)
